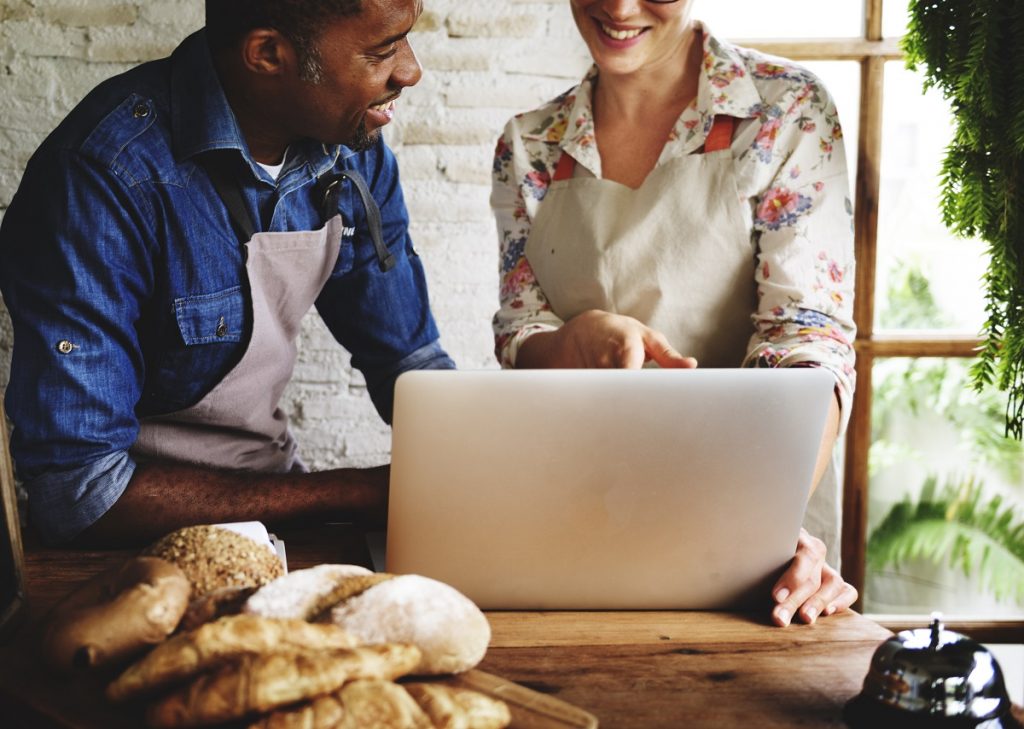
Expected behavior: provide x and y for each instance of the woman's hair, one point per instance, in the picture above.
(300, 21)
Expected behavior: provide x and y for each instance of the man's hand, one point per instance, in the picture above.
(810, 587)
(597, 339)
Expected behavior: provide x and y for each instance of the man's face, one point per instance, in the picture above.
(365, 61)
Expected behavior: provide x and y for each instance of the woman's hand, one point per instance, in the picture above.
(596, 339)
(810, 587)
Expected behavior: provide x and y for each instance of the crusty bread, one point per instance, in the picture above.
(380, 704)
(214, 558)
(213, 605)
(307, 593)
(385, 705)
(257, 684)
(115, 615)
(452, 707)
(219, 642)
(444, 624)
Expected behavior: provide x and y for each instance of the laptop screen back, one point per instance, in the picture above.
(603, 489)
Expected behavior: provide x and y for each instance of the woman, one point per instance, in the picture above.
(683, 189)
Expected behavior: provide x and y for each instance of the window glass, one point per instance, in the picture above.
(894, 18)
(917, 256)
(800, 19)
(946, 506)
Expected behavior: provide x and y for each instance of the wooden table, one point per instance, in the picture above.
(629, 669)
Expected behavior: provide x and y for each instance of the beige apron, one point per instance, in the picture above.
(238, 424)
(676, 254)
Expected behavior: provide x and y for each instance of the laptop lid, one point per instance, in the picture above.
(603, 489)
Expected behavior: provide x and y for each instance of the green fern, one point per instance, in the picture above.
(971, 51)
(957, 528)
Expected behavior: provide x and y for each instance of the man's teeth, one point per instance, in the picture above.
(388, 106)
(621, 34)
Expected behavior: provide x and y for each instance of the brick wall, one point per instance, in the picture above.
(483, 61)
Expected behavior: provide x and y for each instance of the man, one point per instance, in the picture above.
(164, 244)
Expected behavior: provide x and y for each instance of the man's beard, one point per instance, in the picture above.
(363, 139)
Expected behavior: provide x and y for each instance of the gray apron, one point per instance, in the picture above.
(675, 253)
(238, 424)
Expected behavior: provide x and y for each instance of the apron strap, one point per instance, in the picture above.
(327, 189)
(720, 135)
(719, 138)
(565, 168)
(229, 190)
(218, 167)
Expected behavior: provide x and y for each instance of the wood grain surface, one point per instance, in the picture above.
(618, 669)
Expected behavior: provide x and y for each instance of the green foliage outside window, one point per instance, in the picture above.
(971, 50)
(955, 519)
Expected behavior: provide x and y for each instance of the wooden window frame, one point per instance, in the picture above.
(872, 51)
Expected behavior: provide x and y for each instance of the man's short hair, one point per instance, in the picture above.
(300, 21)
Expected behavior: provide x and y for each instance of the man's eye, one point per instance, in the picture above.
(385, 55)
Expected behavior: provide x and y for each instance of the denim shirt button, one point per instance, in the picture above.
(222, 328)
(140, 111)
(65, 347)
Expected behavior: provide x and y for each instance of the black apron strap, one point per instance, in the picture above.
(218, 167)
(328, 189)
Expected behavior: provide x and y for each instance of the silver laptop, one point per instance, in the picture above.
(603, 489)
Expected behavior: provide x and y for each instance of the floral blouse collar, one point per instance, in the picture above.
(724, 88)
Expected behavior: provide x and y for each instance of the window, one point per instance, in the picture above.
(917, 427)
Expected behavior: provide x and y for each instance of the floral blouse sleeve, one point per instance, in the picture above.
(803, 226)
(524, 308)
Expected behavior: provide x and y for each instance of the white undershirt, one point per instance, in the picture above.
(272, 170)
(275, 170)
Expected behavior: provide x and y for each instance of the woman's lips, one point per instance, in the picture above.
(618, 38)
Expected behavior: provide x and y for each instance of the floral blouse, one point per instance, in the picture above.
(791, 175)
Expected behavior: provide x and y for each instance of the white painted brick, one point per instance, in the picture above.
(185, 16)
(86, 13)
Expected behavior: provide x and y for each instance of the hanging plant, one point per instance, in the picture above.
(971, 50)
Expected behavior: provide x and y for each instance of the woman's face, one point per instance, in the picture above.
(625, 36)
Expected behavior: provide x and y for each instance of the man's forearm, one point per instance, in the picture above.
(162, 497)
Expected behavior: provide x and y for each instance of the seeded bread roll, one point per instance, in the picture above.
(444, 624)
(214, 558)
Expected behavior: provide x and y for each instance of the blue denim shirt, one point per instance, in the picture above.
(118, 260)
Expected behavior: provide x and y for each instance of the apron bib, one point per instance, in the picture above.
(676, 254)
(238, 424)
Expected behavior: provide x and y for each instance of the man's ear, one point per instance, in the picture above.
(266, 51)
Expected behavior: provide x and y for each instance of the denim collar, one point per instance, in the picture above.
(202, 119)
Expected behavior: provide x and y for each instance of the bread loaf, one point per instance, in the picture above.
(305, 594)
(220, 642)
(257, 684)
(385, 705)
(214, 558)
(449, 629)
(115, 615)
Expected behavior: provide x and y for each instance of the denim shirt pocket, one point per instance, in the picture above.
(208, 318)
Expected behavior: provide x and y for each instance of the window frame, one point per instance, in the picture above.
(872, 51)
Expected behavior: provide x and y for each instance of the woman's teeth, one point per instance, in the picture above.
(621, 34)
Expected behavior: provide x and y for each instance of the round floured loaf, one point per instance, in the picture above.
(447, 627)
(303, 594)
